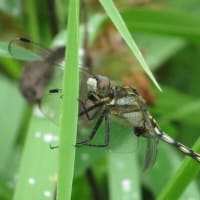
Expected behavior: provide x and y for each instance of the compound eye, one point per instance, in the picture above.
(92, 84)
(103, 85)
(103, 82)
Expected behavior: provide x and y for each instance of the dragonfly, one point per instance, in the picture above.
(104, 98)
(107, 98)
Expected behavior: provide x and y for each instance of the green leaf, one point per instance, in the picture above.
(38, 168)
(168, 22)
(116, 18)
(10, 113)
(69, 106)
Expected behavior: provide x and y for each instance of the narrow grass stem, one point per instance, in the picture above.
(69, 107)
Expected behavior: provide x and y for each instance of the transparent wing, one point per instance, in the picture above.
(51, 102)
(50, 106)
(27, 50)
(151, 152)
(56, 81)
(122, 138)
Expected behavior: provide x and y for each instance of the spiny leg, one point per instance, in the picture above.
(93, 133)
(107, 133)
(90, 108)
(86, 110)
(107, 130)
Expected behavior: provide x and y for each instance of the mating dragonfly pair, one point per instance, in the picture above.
(105, 98)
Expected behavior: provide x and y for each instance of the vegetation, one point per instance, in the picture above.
(167, 34)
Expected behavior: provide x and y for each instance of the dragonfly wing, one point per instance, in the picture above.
(26, 50)
(51, 101)
(151, 152)
(50, 106)
(122, 139)
(57, 79)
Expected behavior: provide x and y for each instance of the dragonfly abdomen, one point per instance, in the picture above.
(184, 149)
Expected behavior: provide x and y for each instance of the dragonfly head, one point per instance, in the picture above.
(100, 85)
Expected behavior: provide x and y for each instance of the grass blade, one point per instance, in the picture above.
(69, 107)
(33, 24)
(116, 18)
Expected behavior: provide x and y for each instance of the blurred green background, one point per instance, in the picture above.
(168, 35)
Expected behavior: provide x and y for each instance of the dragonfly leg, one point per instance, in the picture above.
(107, 134)
(86, 110)
(93, 133)
(107, 131)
